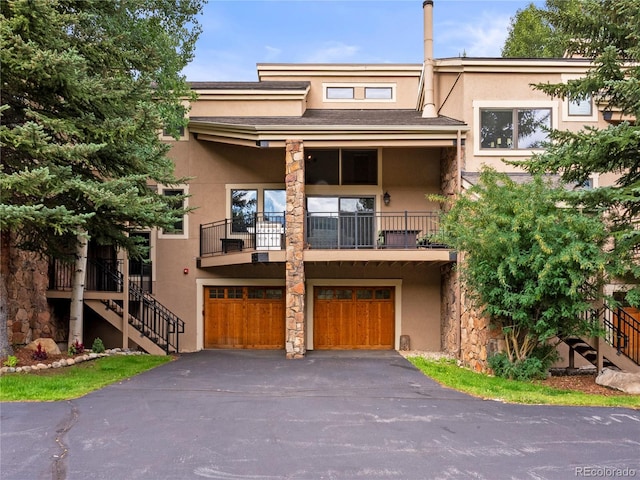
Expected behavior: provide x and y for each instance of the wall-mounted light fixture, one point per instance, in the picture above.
(386, 198)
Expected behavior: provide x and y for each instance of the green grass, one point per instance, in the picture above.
(447, 373)
(75, 381)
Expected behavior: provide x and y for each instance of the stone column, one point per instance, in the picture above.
(295, 279)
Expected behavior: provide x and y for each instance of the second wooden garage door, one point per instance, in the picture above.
(353, 318)
(244, 317)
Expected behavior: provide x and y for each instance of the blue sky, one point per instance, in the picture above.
(238, 34)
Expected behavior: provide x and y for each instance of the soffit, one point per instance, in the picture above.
(330, 125)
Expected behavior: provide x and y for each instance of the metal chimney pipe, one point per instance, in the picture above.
(428, 106)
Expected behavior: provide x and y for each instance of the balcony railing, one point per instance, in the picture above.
(325, 230)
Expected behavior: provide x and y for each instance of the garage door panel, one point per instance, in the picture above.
(244, 321)
(348, 318)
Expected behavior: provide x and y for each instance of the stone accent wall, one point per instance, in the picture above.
(449, 182)
(295, 277)
(449, 310)
(449, 301)
(478, 339)
(27, 280)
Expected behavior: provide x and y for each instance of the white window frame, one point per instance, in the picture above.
(260, 187)
(508, 105)
(566, 104)
(357, 87)
(185, 219)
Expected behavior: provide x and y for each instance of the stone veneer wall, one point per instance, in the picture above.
(478, 339)
(29, 315)
(295, 277)
(449, 303)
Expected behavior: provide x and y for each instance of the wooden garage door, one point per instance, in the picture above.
(353, 318)
(244, 317)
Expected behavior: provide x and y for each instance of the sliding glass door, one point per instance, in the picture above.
(340, 222)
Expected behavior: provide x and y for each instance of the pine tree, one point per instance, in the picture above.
(608, 32)
(86, 87)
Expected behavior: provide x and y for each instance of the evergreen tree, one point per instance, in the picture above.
(608, 32)
(86, 87)
(533, 32)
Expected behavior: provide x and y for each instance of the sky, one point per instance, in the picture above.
(238, 34)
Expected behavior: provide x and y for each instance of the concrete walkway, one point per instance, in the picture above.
(246, 415)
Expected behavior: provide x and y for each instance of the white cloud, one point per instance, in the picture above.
(332, 52)
(482, 38)
(272, 53)
(212, 66)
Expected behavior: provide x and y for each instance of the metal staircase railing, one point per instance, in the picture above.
(620, 331)
(146, 313)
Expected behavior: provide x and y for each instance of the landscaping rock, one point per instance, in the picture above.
(48, 345)
(623, 381)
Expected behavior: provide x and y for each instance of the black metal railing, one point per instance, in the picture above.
(325, 230)
(622, 332)
(261, 231)
(354, 230)
(154, 320)
(103, 275)
(146, 314)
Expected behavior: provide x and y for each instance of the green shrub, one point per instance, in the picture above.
(535, 366)
(97, 346)
(76, 348)
(11, 361)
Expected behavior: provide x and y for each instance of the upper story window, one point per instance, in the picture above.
(341, 167)
(514, 128)
(180, 228)
(359, 92)
(382, 93)
(244, 206)
(580, 108)
(342, 93)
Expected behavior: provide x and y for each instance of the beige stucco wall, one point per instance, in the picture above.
(409, 174)
(248, 107)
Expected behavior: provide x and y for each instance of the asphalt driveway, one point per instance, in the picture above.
(246, 415)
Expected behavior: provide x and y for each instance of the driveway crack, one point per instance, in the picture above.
(59, 466)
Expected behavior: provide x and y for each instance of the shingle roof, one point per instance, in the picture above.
(271, 85)
(341, 117)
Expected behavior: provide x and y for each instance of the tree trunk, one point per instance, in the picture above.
(5, 250)
(76, 316)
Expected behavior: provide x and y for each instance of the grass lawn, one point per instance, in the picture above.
(75, 381)
(447, 373)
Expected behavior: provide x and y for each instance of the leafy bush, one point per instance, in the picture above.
(40, 353)
(535, 366)
(11, 361)
(76, 348)
(97, 346)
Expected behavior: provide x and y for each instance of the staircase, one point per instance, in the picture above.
(619, 347)
(151, 325)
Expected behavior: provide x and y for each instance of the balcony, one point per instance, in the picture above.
(355, 236)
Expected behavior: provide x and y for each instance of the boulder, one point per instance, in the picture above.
(624, 381)
(48, 344)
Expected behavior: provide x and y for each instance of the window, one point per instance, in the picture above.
(340, 93)
(243, 209)
(378, 93)
(580, 108)
(341, 167)
(177, 200)
(275, 205)
(514, 128)
(353, 92)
